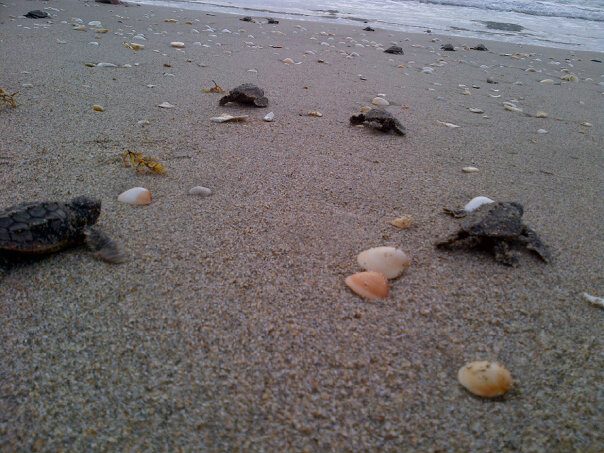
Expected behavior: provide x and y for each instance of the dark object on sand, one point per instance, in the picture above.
(595, 60)
(480, 47)
(246, 19)
(368, 29)
(47, 227)
(490, 80)
(272, 21)
(448, 47)
(428, 31)
(379, 119)
(396, 50)
(109, 2)
(497, 227)
(246, 94)
(37, 14)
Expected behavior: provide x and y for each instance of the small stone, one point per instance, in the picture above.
(166, 105)
(489, 80)
(98, 108)
(177, 44)
(288, 61)
(380, 101)
(200, 191)
(448, 47)
(269, 117)
(541, 114)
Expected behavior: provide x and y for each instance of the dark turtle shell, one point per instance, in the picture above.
(246, 93)
(45, 227)
(379, 119)
(495, 220)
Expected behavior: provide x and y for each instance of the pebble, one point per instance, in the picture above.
(389, 261)
(380, 101)
(98, 108)
(226, 118)
(469, 169)
(166, 105)
(135, 196)
(477, 202)
(269, 117)
(402, 222)
(177, 44)
(475, 110)
(200, 191)
(487, 379)
(370, 285)
(541, 114)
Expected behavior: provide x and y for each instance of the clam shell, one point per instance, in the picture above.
(402, 222)
(370, 285)
(135, 196)
(98, 108)
(226, 118)
(476, 202)
(200, 191)
(288, 61)
(389, 261)
(380, 101)
(469, 169)
(177, 44)
(488, 379)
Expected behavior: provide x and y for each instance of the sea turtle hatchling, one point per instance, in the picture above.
(497, 226)
(379, 119)
(47, 227)
(247, 93)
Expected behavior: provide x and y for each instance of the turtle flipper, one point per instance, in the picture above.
(225, 99)
(261, 102)
(457, 213)
(533, 242)
(452, 240)
(103, 246)
(504, 255)
(355, 120)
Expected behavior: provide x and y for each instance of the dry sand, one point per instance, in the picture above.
(230, 328)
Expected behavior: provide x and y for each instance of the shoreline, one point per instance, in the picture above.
(230, 326)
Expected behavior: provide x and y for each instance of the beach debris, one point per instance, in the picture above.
(315, 113)
(226, 118)
(475, 110)
(49, 226)
(448, 47)
(395, 50)
(427, 70)
(272, 21)
(542, 131)
(389, 261)
(37, 14)
(79, 28)
(134, 46)
(487, 379)
(379, 119)
(380, 101)
(594, 300)
(215, 89)
(288, 61)
(142, 163)
(166, 105)
(546, 81)
(479, 47)
(269, 117)
(104, 64)
(586, 124)
(511, 107)
(368, 29)
(402, 222)
(98, 108)
(200, 191)
(177, 44)
(497, 226)
(135, 196)
(541, 114)
(94, 23)
(370, 285)
(449, 125)
(101, 30)
(8, 98)
(492, 81)
(171, 21)
(246, 93)
(469, 169)
(569, 78)
(475, 203)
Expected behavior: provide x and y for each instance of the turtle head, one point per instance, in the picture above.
(87, 209)
(355, 120)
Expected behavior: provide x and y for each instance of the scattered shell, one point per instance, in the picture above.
(477, 202)
(486, 379)
(177, 44)
(79, 28)
(475, 110)
(269, 117)
(288, 61)
(402, 222)
(389, 261)
(466, 92)
(594, 300)
(380, 101)
(541, 131)
(102, 30)
(315, 113)
(512, 108)
(586, 124)
(546, 81)
(134, 46)
(98, 108)
(136, 196)
(95, 23)
(451, 125)
(200, 191)
(225, 118)
(469, 169)
(105, 65)
(371, 285)
(166, 105)
(541, 114)
(569, 78)
(427, 70)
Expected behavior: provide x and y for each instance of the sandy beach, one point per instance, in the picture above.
(230, 327)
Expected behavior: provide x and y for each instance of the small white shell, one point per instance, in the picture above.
(225, 118)
(269, 117)
(388, 261)
(380, 101)
(542, 131)
(475, 110)
(450, 125)
(135, 196)
(177, 44)
(486, 379)
(546, 81)
(477, 202)
(469, 169)
(594, 300)
(541, 114)
(201, 191)
(288, 61)
(166, 105)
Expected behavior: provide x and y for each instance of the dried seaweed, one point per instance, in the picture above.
(8, 98)
(142, 162)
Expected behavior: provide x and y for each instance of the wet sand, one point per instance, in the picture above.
(230, 327)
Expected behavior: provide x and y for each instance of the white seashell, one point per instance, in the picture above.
(542, 131)
(512, 108)
(380, 101)
(177, 44)
(486, 379)
(594, 300)
(370, 285)
(166, 105)
(495, 95)
(475, 110)
(225, 118)
(135, 196)
(451, 125)
(93, 43)
(586, 124)
(288, 61)
(315, 113)
(427, 70)
(60, 41)
(541, 114)
(469, 169)
(201, 191)
(546, 81)
(95, 23)
(226, 30)
(106, 65)
(389, 261)
(569, 78)
(477, 202)
(269, 117)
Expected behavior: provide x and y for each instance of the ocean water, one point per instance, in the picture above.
(575, 24)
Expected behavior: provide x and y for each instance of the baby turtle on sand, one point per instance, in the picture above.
(379, 119)
(448, 47)
(497, 226)
(247, 93)
(480, 47)
(368, 29)
(396, 50)
(46, 227)
(272, 21)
